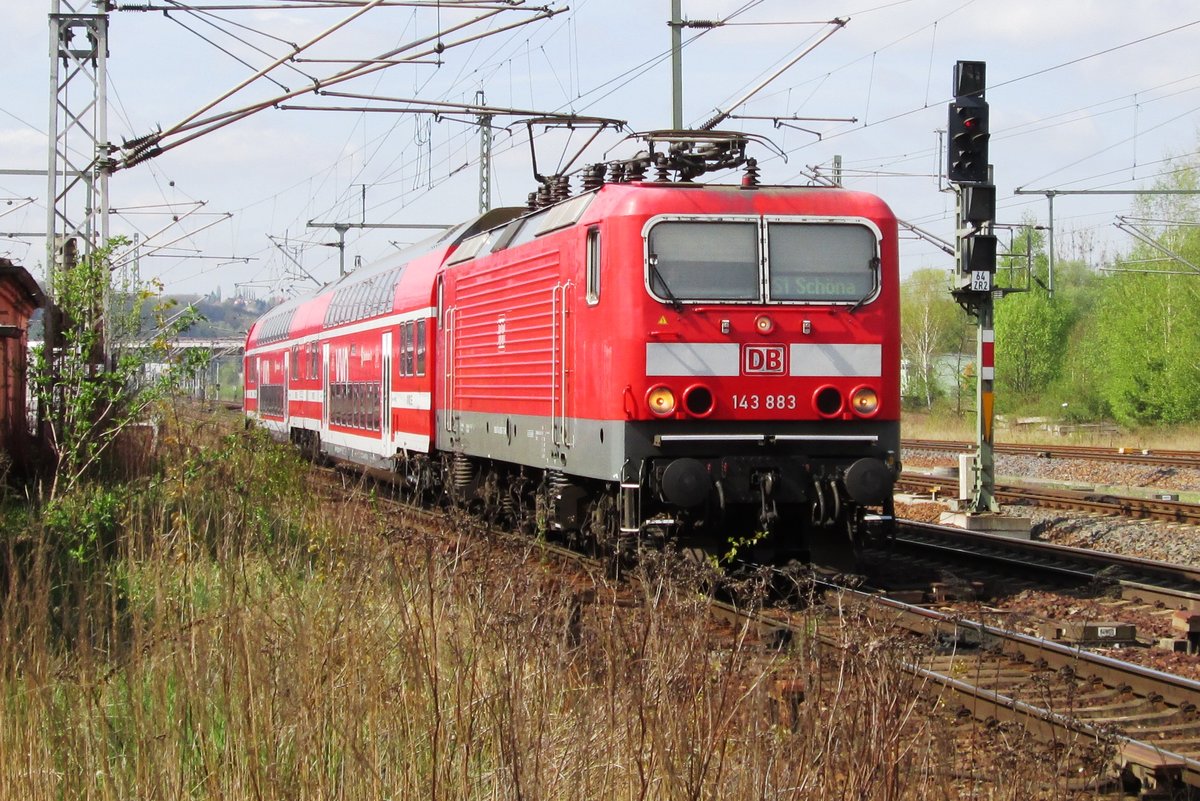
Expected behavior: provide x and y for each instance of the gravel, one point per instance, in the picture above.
(1167, 542)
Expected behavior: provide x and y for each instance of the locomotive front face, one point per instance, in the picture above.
(771, 378)
(763, 309)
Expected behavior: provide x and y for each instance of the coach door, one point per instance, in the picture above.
(287, 388)
(386, 421)
(325, 386)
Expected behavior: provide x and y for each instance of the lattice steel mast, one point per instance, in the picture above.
(79, 165)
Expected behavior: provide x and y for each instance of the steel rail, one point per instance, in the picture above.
(1162, 705)
(1077, 500)
(1149, 456)
(1173, 585)
(1180, 695)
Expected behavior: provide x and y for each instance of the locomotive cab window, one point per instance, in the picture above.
(593, 266)
(822, 262)
(793, 260)
(700, 260)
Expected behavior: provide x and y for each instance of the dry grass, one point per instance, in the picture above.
(235, 637)
(917, 425)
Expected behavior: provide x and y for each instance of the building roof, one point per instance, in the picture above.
(21, 277)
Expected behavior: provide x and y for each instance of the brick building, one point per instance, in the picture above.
(20, 296)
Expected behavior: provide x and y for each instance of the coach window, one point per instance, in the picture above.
(593, 266)
(420, 347)
(822, 262)
(406, 349)
(703, 260)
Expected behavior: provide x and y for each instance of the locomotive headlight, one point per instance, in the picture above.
(764, 324)
(661, 401)
(864, 401)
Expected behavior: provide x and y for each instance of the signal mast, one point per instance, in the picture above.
(975, 287)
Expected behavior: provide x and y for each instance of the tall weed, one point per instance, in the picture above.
(244, 634)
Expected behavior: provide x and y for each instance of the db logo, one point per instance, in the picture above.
(760, 359)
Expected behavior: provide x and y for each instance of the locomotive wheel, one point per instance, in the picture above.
(603, 522)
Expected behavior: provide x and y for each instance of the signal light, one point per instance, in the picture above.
(979, 204)
(979, 254)
(967, 154)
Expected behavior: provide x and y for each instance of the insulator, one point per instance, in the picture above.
(531, 201)
(140, 154)
(543, 196)
(662, 169)
(616, 173)
(139, 141)
(636, 171)
(561, 189)
(751, 176)
(593, 178)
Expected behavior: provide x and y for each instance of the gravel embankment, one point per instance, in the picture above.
(1151, 540)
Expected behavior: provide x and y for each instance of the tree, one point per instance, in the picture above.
(1034, 328)
(87, 400)
(1031, 331)
(931, 325)
(1147, 326)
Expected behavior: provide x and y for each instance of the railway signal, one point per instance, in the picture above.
(967, 155)
(967, 168)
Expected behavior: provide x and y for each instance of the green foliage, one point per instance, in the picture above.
(88, 403)
(1031, 331)
(244, 484)
(85, 523)
(931, 326)
(1150, 340)
(1145, 333)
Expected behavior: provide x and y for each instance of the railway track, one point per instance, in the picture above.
(1144, 721)
(1146, 718)
(1139, 580)
(1173, 458)
(1151, 508)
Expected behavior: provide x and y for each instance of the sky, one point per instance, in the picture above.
(1084, 95)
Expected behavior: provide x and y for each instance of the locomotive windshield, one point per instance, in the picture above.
(721, 260)
(821, 262)
(704, 261)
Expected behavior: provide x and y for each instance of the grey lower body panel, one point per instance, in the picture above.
(590, 448)
(612, 450)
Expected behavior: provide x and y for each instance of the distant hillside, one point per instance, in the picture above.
(223, 319)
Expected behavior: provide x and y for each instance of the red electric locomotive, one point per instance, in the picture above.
(646, 359)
